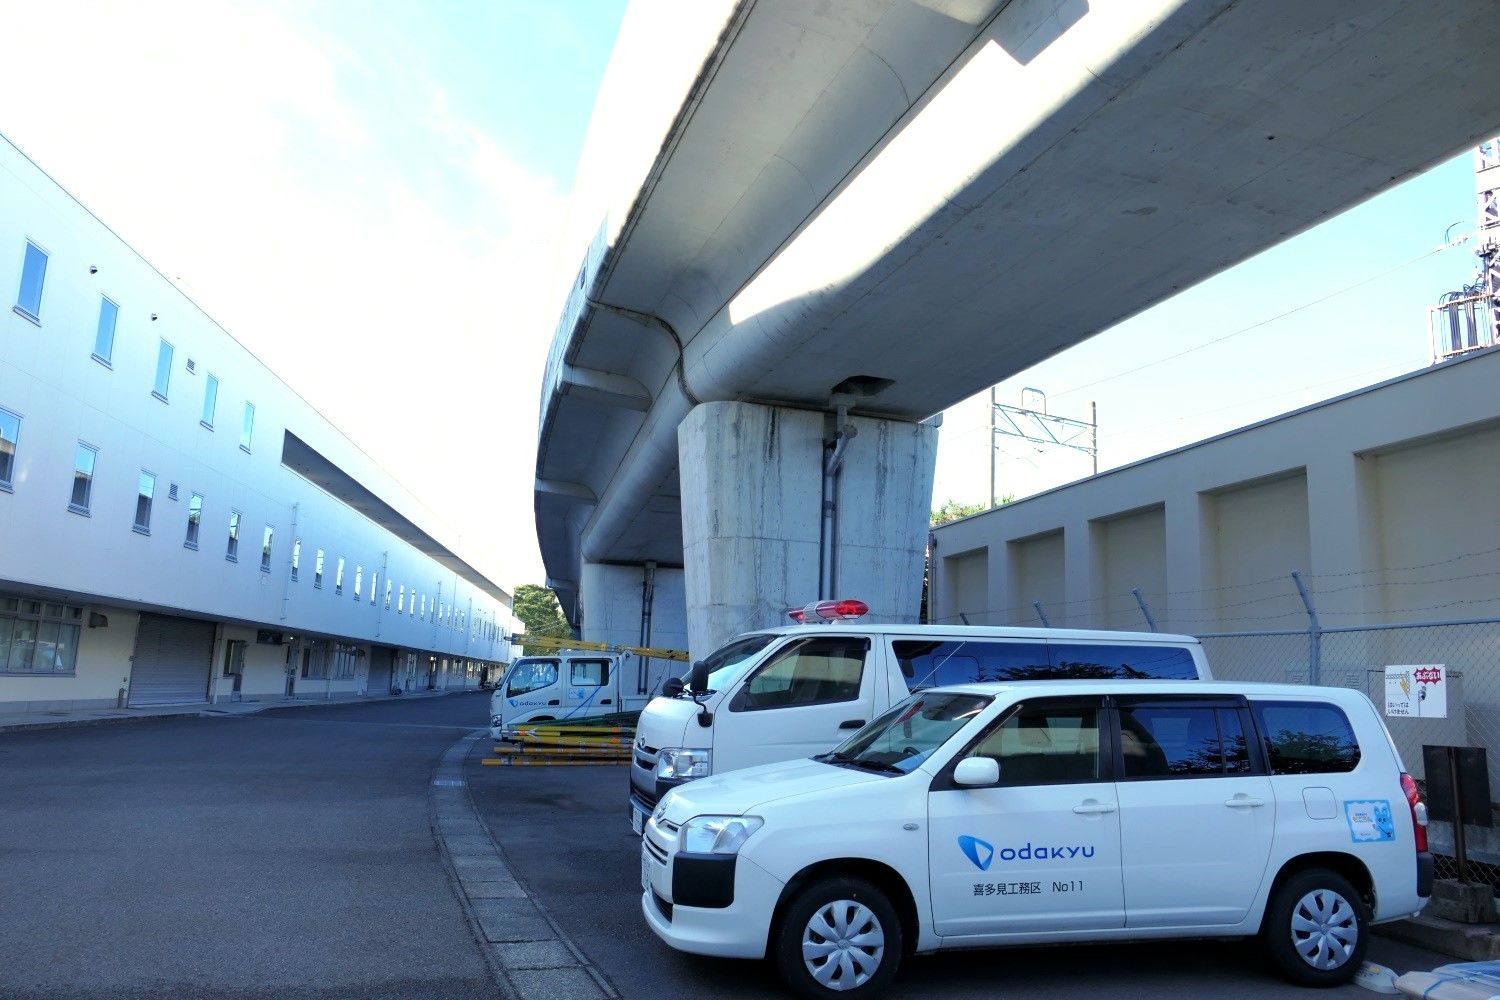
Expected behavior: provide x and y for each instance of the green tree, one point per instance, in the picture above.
(538, 610)
(952, 510)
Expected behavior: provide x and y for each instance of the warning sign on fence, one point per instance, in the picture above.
(1418, 691)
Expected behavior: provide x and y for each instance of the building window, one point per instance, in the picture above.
(401, 600)
(247, 426)
(163, 371)
(145, 490)
(210, 401)
(33, 273)
(296, 558)
(234, 658)
(318, 571)
(388, 588)
(10, 433)
(338, 577)
(265, 549)
(38, 637)
(343, 662)
(195, 518)
(232, 550)
(423, 615)
(104, 337)
(374, 586)
(359, 581)
(83, 477)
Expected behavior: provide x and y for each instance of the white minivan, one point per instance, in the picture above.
(559, 687)
(799, 690)
(1051, 812)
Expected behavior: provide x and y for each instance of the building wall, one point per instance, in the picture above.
(1133, 554)
(611, 598)
(1378, 499)
(65, 395)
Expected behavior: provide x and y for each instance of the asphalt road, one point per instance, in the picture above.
(566, 834)
(286, 854)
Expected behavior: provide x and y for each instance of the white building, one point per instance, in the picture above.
(177, 525)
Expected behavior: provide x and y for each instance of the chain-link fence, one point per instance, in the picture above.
(1357, 657)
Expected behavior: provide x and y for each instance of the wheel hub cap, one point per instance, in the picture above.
(843, 945)
(1325, 929)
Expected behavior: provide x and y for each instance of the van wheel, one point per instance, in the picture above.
(839, 938)
(1316, 929)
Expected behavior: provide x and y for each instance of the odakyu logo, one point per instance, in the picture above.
(983, 854)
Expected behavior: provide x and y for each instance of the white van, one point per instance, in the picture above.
(1051, 812)
(799, 690)
(564, 686)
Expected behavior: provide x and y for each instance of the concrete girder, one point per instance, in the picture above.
(605, 387)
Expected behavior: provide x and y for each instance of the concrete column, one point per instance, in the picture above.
(1343, 531)
(612, 598)
(1082, 576)
(751, 484)
(1190, 557)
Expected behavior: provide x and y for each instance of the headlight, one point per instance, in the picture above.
(683, 763)
(717, 834)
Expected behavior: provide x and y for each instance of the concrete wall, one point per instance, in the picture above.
(611, 597)
(1379, 498)
(65, 396)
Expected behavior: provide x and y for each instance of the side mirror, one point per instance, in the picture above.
(977, 772)
(698, 678)
(672, 687)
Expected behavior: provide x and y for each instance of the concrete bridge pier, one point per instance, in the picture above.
(755, 537)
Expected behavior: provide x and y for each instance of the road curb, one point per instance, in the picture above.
(529, 954)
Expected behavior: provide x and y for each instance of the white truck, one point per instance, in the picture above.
(568, 685)
(797, 691)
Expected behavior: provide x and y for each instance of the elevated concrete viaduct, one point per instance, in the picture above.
(852, 214)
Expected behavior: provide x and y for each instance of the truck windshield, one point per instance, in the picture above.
(903, 737)
(727, 659)
(530, 675)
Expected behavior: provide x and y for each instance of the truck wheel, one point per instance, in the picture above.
(1316, 929)
(839, 938)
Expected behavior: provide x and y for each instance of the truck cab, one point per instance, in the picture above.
(557, 687)
(799, 690)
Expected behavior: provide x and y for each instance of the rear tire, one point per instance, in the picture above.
(1316, 929)
(840, 937)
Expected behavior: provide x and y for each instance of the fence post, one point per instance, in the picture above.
(1314, 632)
(1150, 621)
(1041, 614)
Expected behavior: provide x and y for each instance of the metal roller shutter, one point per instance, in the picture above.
(173, 657)
(381, 660)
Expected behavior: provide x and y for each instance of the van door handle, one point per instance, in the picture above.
(851, 724)
(606, 701)
(554, 701)
(1093, 808)
(1244, 802)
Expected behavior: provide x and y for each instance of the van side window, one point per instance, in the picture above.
(1079, 662)
(1306, 737)
(531, 675)
(933, 663)
(1045, 744)
(588, 673)
(1180, 741)
(819, 671)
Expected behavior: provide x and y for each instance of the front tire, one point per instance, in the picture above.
(840, 937)
(1317, 929)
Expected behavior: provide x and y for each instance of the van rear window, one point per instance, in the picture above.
(934, 663)
(1306, 737)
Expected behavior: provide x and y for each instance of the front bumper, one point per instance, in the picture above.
(738, 923)
(646, 789)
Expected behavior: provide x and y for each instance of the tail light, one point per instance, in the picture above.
(1418, 810)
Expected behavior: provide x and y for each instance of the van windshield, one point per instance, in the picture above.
(725, 661)
(905, 736)
(530, 675)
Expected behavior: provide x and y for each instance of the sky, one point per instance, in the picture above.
(370, 204)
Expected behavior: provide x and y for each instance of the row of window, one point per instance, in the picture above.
(38, 637)
(29, 304)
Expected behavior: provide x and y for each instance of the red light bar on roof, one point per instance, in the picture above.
(829, 611)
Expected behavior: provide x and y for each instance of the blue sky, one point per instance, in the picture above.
(371, 203)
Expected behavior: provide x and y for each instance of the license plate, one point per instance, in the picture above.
(645, 870)
(636, 823)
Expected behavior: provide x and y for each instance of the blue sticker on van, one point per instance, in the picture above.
(1370, 820)
(978, 851)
